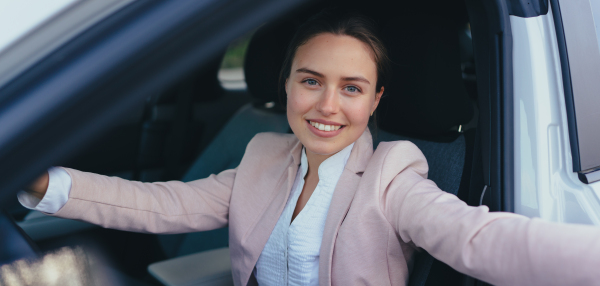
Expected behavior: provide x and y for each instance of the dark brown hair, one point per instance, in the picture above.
(338, 22)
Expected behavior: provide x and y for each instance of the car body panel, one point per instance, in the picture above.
(545, 184)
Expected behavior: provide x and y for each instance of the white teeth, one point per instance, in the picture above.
(324, 127)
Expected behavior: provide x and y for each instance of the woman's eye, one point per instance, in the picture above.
(352, 89)
(311, 82)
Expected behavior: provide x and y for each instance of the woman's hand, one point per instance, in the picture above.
(38, 187)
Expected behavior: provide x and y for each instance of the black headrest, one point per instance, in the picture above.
(264, 58)
(426, 95)
(203, 83)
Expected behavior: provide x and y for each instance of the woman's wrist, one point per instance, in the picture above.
(39, 187)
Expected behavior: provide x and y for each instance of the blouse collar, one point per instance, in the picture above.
(359, 157)
(332, 167)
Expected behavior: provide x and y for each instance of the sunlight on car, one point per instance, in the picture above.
(19, 17)
(67, 266)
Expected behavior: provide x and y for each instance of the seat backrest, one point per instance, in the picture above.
(445, 159)
(227, 149)
(264, 58)
(426, 103)
(446, 162)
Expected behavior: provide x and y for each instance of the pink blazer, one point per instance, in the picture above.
(383, 210)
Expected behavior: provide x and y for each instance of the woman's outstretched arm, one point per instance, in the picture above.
(499, 248)
(163, 207)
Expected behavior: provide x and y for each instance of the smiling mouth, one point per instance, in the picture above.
(324, 127)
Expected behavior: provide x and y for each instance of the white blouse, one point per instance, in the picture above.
(291, 255)
(57, 194)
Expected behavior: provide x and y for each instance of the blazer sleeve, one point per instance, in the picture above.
(499, 248)
(162, 207)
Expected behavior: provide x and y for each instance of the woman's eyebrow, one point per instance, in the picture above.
(305, 70)
(356, 78)
(350, 78)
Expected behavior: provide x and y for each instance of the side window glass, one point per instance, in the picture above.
(231, 73)
(596, 14)
(581, 22)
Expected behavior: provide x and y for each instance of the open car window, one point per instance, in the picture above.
(231, 72)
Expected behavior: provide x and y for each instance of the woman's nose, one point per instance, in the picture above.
(328, 104)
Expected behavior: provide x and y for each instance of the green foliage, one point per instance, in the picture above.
(234, 57)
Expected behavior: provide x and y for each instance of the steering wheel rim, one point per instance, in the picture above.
(15, 244)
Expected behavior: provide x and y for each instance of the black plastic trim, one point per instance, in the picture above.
(508, 124)
(589, 177)
(76, 93)
(492, 43)
(567, 85)
(527, 8)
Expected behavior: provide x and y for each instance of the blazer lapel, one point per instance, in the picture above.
(340, 203)
(259, 234)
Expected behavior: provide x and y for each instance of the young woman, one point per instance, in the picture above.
(319, 206)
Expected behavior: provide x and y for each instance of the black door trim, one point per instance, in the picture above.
(492, 45)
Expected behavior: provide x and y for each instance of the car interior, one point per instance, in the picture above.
(197, 128)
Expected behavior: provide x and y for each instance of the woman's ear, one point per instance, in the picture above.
(285, 85)
(377, 99)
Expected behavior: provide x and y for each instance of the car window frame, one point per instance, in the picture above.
(60, 103)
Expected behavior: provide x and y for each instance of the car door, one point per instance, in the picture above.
(557, 65)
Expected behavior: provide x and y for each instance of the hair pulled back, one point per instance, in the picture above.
(342, 23)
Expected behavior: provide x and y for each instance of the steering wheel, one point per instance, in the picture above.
(15, 244)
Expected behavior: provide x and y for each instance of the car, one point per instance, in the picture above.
(500, 95)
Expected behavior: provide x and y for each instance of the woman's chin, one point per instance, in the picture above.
(323, 148)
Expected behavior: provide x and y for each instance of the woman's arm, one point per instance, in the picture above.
(499, 248)
(163, 207)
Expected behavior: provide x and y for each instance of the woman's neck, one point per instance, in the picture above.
(314, 161)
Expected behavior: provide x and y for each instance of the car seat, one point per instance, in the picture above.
(426, 103)
(263, 61)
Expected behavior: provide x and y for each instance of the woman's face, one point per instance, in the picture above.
(331, 92)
